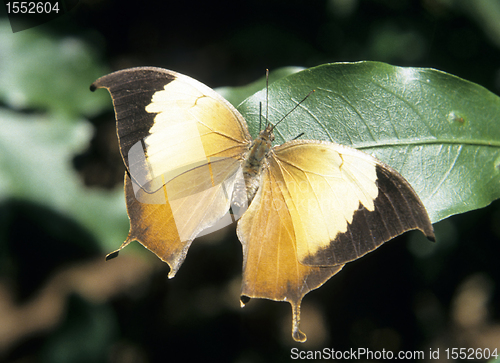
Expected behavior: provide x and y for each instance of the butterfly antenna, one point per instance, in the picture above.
(299, 135)
(293, 109)
(267, 95)
(260, 116)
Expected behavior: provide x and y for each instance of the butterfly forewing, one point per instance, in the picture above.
(343, 202)
(182, 145)
(169, 123)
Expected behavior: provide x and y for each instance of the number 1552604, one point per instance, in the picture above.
(31, 7)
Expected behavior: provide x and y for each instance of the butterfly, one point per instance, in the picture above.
(304, 208)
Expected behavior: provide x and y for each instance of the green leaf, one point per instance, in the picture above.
(440, 132)
(236, 95)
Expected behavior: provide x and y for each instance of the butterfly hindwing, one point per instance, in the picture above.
(168, 226)
(320, 205)
(271, 267)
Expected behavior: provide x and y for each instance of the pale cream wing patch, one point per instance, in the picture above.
(323, 188)
(193, 126)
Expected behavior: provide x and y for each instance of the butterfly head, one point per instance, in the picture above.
(267, 134)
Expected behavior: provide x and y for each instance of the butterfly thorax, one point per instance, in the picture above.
(255, 161)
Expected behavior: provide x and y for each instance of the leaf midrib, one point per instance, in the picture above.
(472, 142)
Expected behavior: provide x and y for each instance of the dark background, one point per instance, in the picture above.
(408, 295)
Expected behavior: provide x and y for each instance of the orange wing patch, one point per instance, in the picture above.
(152, 224)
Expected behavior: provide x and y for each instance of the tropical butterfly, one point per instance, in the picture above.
(307, 207)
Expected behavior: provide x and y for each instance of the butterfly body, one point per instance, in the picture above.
(255, 161)
(312, 205)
